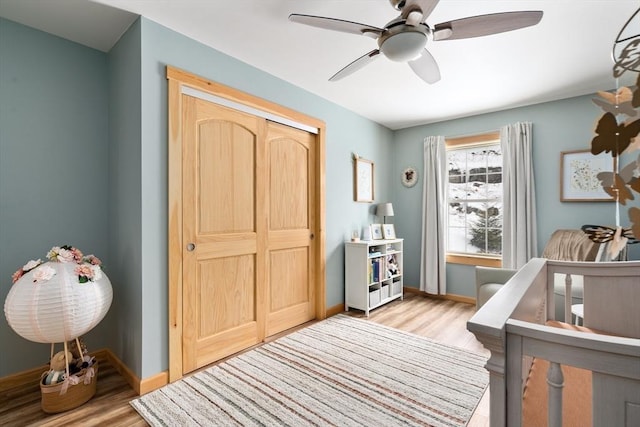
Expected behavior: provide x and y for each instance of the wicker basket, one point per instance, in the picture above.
(54, 401)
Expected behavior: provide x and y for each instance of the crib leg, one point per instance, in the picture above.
(555, 379)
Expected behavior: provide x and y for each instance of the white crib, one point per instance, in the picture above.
(513, 326)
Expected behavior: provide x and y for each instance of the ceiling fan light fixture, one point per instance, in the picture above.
(403, 39)
(403, 46)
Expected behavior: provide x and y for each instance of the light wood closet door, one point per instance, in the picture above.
(225, 219)
(249, 194)
(290, 249)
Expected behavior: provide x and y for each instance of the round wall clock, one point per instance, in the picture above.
(409, 177)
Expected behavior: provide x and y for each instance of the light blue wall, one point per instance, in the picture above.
(83, 160)
(346, 133)
(557, 126)
(83, 128)
(125, 195)
(53, 163)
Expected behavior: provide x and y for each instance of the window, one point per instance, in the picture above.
(474, 234)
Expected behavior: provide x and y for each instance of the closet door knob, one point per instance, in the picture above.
(191, 247)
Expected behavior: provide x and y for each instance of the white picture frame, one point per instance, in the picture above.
(579, 180)
(388, 231)
(363, 180)
(376, 231)
(366, 233)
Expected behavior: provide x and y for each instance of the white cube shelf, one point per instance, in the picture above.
(373, 273)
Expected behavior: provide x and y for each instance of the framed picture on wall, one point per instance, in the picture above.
(362, 180)
(582, 175)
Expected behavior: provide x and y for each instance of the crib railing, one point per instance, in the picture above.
(512, 326)
(613, 361)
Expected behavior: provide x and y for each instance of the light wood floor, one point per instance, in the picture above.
(441, 320)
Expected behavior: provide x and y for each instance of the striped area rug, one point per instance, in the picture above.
(342, 371)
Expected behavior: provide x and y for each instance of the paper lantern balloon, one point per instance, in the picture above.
(48, 304)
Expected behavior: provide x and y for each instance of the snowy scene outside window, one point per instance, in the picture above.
(475, 200)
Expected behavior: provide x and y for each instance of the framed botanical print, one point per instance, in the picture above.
(582, 175)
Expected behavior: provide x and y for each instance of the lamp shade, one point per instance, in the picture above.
(56, 308)
(384, 209)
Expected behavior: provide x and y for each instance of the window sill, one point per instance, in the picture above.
(474, 260)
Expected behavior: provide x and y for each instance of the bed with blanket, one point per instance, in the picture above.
(546, 371)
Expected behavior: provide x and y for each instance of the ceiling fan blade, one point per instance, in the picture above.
(484, 25)
(425, 6)
(336, 25)
(355, 65)
(426, 67)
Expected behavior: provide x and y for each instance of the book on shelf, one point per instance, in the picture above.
(375, 270)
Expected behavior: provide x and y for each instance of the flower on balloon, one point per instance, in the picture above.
(89, 267)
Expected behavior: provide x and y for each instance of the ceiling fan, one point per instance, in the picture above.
(404, 38)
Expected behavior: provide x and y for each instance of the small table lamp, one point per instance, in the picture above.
(384, 210)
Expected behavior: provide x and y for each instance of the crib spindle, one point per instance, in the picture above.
(568, 299)
(555, 379)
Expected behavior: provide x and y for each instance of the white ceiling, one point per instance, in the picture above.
(567, 54)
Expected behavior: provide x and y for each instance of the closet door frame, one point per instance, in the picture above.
(179, 82)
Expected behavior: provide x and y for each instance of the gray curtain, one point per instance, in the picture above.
(434, 217)
(519, 243)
